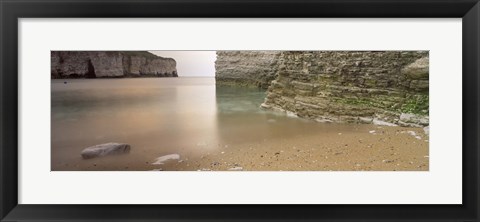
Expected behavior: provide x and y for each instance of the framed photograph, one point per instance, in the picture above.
(225, 110)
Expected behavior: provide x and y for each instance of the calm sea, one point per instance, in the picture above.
(160, 116)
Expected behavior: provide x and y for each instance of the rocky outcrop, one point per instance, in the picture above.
(389, 87)
(246, 68)
(380, 87)
(110, 64)
(105, 150)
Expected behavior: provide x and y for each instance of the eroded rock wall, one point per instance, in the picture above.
(246, 68)
(387, 87)
(102, 64)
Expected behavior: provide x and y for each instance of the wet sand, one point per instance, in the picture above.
(195, 126)
(359, 149)
(389, 150)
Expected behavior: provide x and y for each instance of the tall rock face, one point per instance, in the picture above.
(92, 64)
(246, 68)
(387, 87)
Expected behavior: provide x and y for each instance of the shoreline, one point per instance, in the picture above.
(360, 149)
(213, 128)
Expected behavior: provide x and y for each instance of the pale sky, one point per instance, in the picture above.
(192, 63)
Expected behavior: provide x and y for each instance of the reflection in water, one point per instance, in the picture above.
(186, 118)
(240, 118)
(155, 116)
(158, 116)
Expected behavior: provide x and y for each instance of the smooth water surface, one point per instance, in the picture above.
(161, 116)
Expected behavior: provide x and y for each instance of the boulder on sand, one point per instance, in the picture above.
(105, 150)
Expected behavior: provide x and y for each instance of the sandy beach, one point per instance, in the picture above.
(385, 149)
(191, 125)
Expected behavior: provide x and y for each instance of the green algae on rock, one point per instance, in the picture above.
(336, 86)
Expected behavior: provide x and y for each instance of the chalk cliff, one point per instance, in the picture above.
(110, 64)
(382, 87)
(246, 68)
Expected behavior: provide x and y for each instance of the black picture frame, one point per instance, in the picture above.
(12, 10)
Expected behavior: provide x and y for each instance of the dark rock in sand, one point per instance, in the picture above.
(105, 150)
